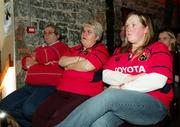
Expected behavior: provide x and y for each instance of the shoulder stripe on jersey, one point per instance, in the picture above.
(101, 52)
(99, 59)
(167, 53)
(158, 66)
(151, 52)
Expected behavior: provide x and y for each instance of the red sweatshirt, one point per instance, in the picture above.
(81, 82)
(47, 70)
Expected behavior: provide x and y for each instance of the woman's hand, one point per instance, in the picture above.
(30, 61)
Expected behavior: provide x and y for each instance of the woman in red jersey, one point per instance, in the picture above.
(81, 62)
(140, 80)
(43, 74)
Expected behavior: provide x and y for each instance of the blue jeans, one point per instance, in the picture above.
(22, 103)
(113, 106)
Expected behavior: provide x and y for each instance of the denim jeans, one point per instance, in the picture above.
(113, 106)
(22, 103)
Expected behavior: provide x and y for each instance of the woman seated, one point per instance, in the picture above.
(140, 78)
(43, 74)
(81, 63)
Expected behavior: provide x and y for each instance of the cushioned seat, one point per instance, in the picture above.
(164, 123)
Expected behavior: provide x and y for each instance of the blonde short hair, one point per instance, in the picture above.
(98, 29)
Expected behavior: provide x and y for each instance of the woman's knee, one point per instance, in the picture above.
(108, 120)
(101, 123)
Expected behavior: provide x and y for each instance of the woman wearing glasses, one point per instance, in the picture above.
(43, 74)
(140, 77)
(81, 63)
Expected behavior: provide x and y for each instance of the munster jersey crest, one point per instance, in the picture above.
(143, 57)
(87, 51)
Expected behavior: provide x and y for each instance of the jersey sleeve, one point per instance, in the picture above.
(23, 61)
(72, 51)
(161, 61)
(98, 56)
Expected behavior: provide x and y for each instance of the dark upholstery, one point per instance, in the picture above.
(164, 123)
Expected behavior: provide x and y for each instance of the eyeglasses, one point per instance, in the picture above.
(48, 33)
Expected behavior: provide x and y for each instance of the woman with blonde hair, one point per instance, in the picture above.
(167, 37)
(80, 64)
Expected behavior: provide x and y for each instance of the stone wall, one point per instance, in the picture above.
(152, 7)
(67, 14)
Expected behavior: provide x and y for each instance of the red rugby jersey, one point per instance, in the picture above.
(81, 82)
(155, 58)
